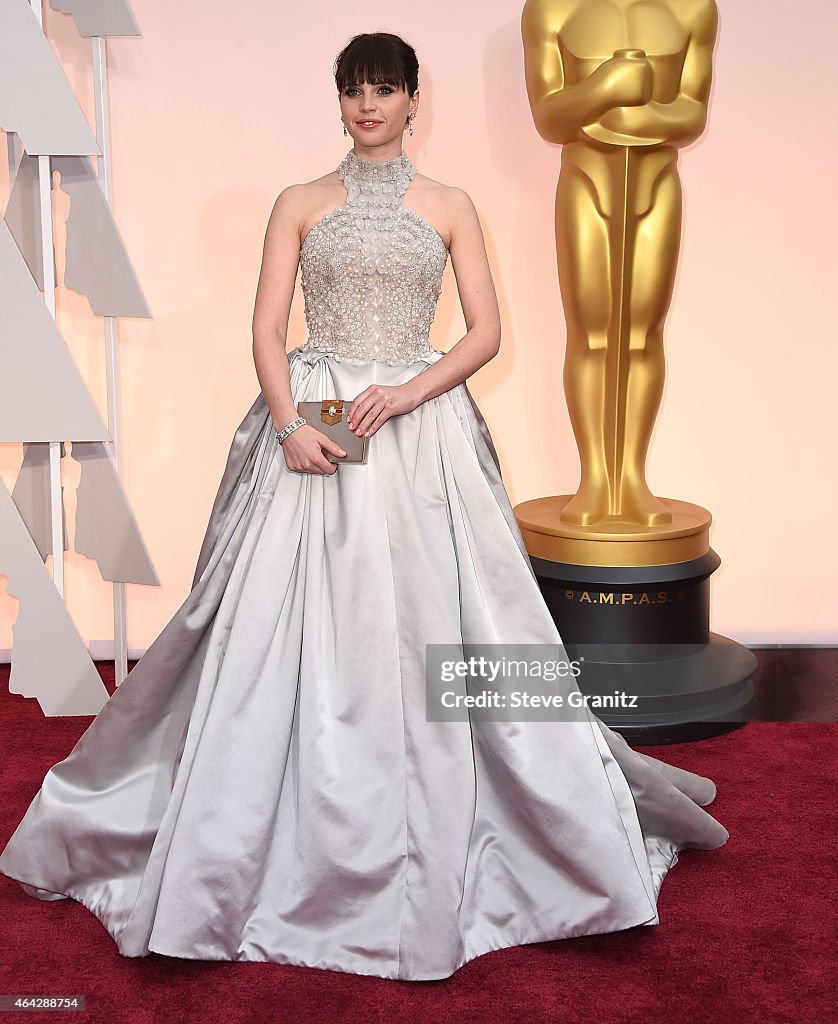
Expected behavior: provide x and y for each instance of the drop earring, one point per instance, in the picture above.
(410, 117)
(345, 132)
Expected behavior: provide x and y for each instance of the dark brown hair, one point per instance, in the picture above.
(379, 58)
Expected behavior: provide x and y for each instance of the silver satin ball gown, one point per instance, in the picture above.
(264, 785)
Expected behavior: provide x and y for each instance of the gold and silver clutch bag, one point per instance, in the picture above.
(328, 416)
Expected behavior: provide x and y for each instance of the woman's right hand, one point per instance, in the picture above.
(303, 450)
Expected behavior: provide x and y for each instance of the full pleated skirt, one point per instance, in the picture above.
(265, 784)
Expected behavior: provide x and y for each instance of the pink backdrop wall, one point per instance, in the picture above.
(219, 106)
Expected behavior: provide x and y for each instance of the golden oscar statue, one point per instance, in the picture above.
(621, 86)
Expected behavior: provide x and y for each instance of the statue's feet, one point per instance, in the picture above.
(641, 506)
(588, 506)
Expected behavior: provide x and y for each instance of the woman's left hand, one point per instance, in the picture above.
(377, 404)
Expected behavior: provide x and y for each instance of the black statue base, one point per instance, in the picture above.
(649, 664)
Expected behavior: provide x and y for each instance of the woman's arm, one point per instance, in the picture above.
(280, 259)
(303, 449)
(479, 301)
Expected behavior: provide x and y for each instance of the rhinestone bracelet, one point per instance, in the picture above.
(289, 428)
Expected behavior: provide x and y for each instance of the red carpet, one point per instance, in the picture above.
(747, 932)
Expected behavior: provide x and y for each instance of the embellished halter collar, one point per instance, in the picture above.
(376, 177)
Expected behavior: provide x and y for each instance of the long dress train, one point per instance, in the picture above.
(265, 784)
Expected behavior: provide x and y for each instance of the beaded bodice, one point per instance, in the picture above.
(371, 269)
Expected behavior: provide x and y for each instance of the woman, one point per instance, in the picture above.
(266, 784)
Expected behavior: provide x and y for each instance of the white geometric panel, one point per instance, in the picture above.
(60, 673)
(105, 526)
(42, 396)
(95, 261)
(99, 17)
(23, 216)
(31, 496)
(36, 100)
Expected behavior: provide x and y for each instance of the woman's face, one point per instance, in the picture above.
(375, 115)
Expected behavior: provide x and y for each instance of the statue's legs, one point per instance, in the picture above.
(653, 259)
(616, 274)
(582, 250)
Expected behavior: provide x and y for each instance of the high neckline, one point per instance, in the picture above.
(376, 170)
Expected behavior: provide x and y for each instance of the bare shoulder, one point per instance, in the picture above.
(305, 202)
(447, 207)
(436, 191)
(306, 193)
(459, 201)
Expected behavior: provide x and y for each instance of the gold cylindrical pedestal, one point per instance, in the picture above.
(613, 541)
